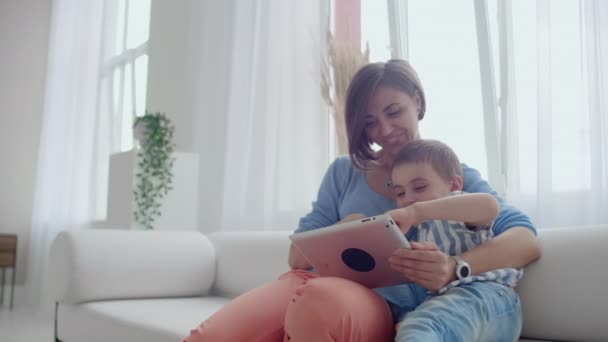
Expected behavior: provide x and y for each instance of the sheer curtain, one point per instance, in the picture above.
(439, 39)
(262, 127)
(63, 192)
(78, 132)
(548, 65)
(557, 120)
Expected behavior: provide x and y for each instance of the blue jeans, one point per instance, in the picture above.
(480, 311)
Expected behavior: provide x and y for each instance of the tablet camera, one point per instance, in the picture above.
(358, 260)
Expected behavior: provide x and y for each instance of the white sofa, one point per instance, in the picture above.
(153, 286)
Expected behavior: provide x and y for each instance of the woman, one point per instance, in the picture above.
(385, 101)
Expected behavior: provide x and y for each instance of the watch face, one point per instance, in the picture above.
(464, 271)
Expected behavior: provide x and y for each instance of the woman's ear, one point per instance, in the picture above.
(418, 100)
(457, 183)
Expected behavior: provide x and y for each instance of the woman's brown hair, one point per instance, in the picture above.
(395, 73)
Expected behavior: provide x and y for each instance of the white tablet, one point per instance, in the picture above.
(356, 250)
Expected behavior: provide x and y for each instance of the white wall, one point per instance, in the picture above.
(24, 35)
(175, 66)
(169, 30)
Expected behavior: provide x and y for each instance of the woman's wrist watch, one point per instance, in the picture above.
(463, 269)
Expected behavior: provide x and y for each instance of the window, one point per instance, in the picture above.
(375, 30)
(515, 87)
(122, 85)
(564, 71)
(444, 52)
(125, 67)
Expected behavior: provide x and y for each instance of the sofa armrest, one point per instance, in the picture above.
(563, 293)
(102, 264)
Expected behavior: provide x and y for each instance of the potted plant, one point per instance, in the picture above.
(154, 177)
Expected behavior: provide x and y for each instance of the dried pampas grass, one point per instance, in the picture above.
(337, 70)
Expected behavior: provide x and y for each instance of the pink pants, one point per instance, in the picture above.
(301, 306)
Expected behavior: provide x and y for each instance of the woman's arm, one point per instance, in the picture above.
(326, 208)
(509, 216)
(515, 248)
(514, 245)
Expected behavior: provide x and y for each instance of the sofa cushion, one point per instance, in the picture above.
(140, 320)
(246, 260)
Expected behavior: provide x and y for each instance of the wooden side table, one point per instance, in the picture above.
(8, 259)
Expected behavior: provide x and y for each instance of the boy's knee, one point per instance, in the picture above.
(419, 327)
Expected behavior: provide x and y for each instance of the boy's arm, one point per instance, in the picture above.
(475, 209)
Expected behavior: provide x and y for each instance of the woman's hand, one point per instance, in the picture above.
(425, 265)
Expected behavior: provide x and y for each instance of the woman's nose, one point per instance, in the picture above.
(385, 128)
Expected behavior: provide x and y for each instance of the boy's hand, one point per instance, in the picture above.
(425, 265)
(404, 217)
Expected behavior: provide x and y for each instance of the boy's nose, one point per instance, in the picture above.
(401, 203)
(411, 199)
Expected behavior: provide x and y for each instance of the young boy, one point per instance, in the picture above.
(427, 181)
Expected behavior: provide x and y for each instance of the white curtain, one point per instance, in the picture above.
(550, 71)
(65, 188)
(557, 120)
(262, 128)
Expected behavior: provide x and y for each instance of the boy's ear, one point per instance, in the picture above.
(457, 183)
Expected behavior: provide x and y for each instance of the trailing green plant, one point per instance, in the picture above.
(154, 177)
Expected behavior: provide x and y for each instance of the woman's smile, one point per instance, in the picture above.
(395, 141)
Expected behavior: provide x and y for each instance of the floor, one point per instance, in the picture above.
(23, 324)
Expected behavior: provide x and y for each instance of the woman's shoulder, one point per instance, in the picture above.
(471, 177)
(473, 182)
(341, 173)
(467, 168)
(342, 165)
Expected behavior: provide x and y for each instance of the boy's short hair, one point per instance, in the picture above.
(441, 157)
